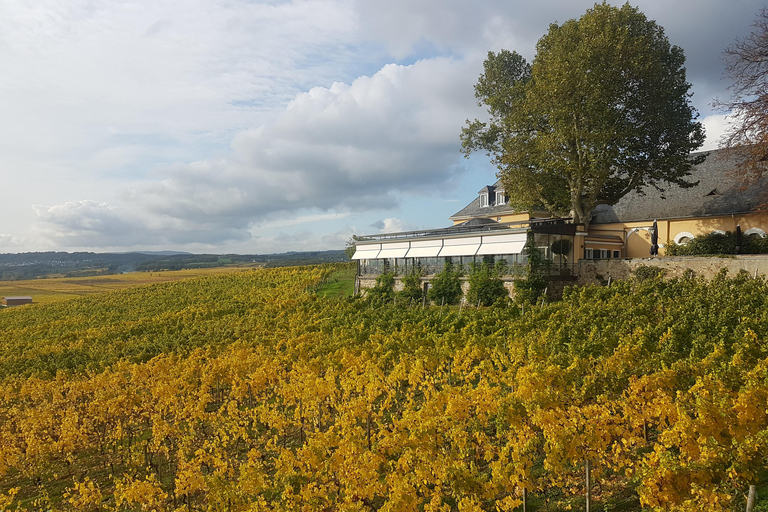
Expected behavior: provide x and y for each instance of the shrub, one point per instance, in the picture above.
(384, 289)
(646, 272)
(445, 286)
(485, 286)
(718, 243)
(411, 287)
(561, 247)
(531, 287)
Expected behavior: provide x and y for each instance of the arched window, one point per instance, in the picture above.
(755, 232)
(718, 232)
(683, 238)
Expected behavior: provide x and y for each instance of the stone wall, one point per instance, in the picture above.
(554, 289)
(599, 271)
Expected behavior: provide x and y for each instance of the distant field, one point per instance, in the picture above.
(56, 289)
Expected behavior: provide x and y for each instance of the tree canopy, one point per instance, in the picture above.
(603, 109)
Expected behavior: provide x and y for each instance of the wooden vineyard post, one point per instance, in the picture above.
(751, 498)
(589, 487)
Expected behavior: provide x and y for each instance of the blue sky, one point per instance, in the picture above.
(268, 126)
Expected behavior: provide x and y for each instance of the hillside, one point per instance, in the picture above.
(249, 391)
(32, 265)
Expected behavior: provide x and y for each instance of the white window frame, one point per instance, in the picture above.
(681, 235)
(500, 197)
(484, 200)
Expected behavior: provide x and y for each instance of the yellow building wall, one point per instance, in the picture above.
(637, 236)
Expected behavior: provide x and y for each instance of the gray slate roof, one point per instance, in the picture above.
(719, 192)
(474, 209)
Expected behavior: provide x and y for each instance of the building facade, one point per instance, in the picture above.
(489, 230)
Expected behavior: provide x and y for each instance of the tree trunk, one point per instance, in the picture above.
(751, 498)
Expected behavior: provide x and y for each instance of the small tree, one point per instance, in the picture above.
(529, 288)
(445, 286)
(485, 285)
(411, 286)
(384, 289)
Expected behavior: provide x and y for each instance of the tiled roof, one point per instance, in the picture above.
(720, 191)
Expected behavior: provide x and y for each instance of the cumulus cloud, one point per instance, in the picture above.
(349, 147)
(211, 124)
(715, 127)
(393, 225)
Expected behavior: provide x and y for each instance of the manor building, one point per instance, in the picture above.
(489, 230)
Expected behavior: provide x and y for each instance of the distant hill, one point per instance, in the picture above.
(30, 265)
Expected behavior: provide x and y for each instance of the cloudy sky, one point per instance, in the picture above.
(256, 126)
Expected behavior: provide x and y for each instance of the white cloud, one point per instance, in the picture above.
(217, 124)
(393, 225)
(715, 126)
(349, 147)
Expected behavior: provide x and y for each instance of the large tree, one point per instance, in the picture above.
(603, 109)
(747, 65)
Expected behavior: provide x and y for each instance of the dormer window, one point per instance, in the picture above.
(500, 197)
(484, 199)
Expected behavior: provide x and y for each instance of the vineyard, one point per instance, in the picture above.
(251, 391)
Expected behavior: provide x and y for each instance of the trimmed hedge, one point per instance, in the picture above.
(718, 243)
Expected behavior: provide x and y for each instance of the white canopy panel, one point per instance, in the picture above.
(367, 252)
(460, 246)
(425, 248)
(502, 244)
(394, 250)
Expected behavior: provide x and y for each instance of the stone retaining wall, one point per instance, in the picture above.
(599, 271)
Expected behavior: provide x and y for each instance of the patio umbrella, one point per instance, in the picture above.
(654, 239)
(738, 239)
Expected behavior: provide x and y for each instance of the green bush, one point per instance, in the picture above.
(411, 287)
(445, 286)
(485, 286)
(646, 272)
(561, 247)
(384, 289)
(718, 243)
(531, 287)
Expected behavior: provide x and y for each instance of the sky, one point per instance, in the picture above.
(253, 127)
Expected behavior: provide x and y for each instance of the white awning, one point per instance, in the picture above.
(367, 252)
(460, 246)
(394, 250)
(425, 248)
(502, 244)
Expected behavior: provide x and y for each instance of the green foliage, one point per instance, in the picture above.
(412, 290)
(561, 247)
(350, 247)
(531, 287)
(603, 110)
(445, 287)
(384, 289)
(485, 285)
(646, 272)
(718, 244)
